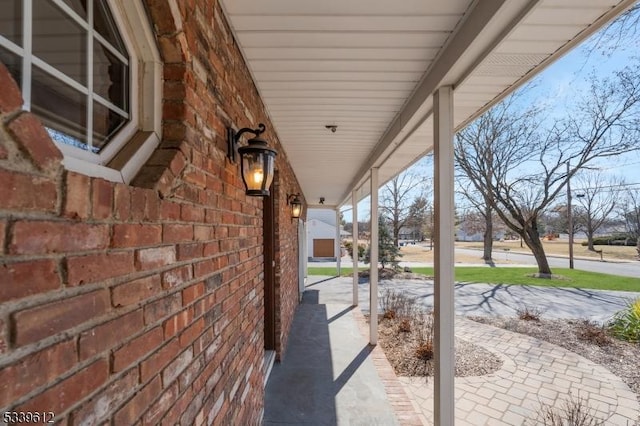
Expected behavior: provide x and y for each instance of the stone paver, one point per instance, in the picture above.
(501, 398)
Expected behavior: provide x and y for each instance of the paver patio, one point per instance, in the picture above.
(533, 373)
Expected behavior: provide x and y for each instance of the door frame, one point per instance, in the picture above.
(269, 240)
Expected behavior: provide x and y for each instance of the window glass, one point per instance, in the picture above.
(104, 24)
(62, 108)
(106, 123)
(13, 63)
(11, 20)
(110, 76)
(79, 68)
(59, 40)
(78, 6)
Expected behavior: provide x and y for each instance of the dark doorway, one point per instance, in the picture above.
(268, 224)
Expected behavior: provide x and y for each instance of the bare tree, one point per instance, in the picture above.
(521, 168)
(631, 216)
(398, 200)
(597, 199)
(482, 221)
(428, 227)
(621, 32)
(418, 216)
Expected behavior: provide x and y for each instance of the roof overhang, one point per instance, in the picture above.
(371, 68)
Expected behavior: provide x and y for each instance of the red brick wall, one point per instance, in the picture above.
(143, 303)
(287, 293)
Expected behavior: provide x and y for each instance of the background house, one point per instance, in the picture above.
(322, 233)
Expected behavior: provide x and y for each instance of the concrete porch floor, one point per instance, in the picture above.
(331, 375)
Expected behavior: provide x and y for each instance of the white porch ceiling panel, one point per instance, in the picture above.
(371, 66)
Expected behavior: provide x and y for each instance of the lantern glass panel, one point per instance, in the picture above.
(269, 168)
(296, 210)
(253, 170)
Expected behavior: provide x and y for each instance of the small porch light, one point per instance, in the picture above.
(256, 159)
(296, 205)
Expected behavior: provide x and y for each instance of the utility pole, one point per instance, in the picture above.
(569, 218)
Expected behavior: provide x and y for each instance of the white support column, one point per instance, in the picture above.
(354, 231)
(373, 265)
(444, 258)
(338, 245)
(302, 241)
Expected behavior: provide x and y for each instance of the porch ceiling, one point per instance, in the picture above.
(370, 67)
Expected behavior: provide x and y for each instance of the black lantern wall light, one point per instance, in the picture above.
(257, 160)
(296, 205)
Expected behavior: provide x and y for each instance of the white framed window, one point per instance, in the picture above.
(90, 70)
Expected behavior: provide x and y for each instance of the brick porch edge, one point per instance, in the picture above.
(402, 405)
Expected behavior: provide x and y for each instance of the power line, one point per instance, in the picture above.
(622, 186)
(618, 166)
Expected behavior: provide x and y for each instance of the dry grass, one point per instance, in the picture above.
(561, 248)
(418, 253)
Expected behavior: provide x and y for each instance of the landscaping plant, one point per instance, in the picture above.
(388, 251)
(593, 332)
(395, 304)
(572, 412)
(529, 313)
(625, 324)
(424, 323)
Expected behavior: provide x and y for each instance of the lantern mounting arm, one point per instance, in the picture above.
(233, 139)
(293, 197)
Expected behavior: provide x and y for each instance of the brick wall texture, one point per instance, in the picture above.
(143, 303)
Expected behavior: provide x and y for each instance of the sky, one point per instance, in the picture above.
(568, 76)
(557, 86)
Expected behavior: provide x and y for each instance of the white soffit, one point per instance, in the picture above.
(370, 67)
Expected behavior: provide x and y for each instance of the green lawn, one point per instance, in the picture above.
(521, 276)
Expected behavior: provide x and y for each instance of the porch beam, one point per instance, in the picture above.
(444, 308)
(354, 257)
(482, 29)
(373, 261)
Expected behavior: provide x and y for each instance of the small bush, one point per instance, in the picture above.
(593, 332)
(423, 323)
(395, 304)
(389, 314)
(404, 326)
(424, 351)
(529, 313)
(573, 412)
(625, 324)
(613, 240)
